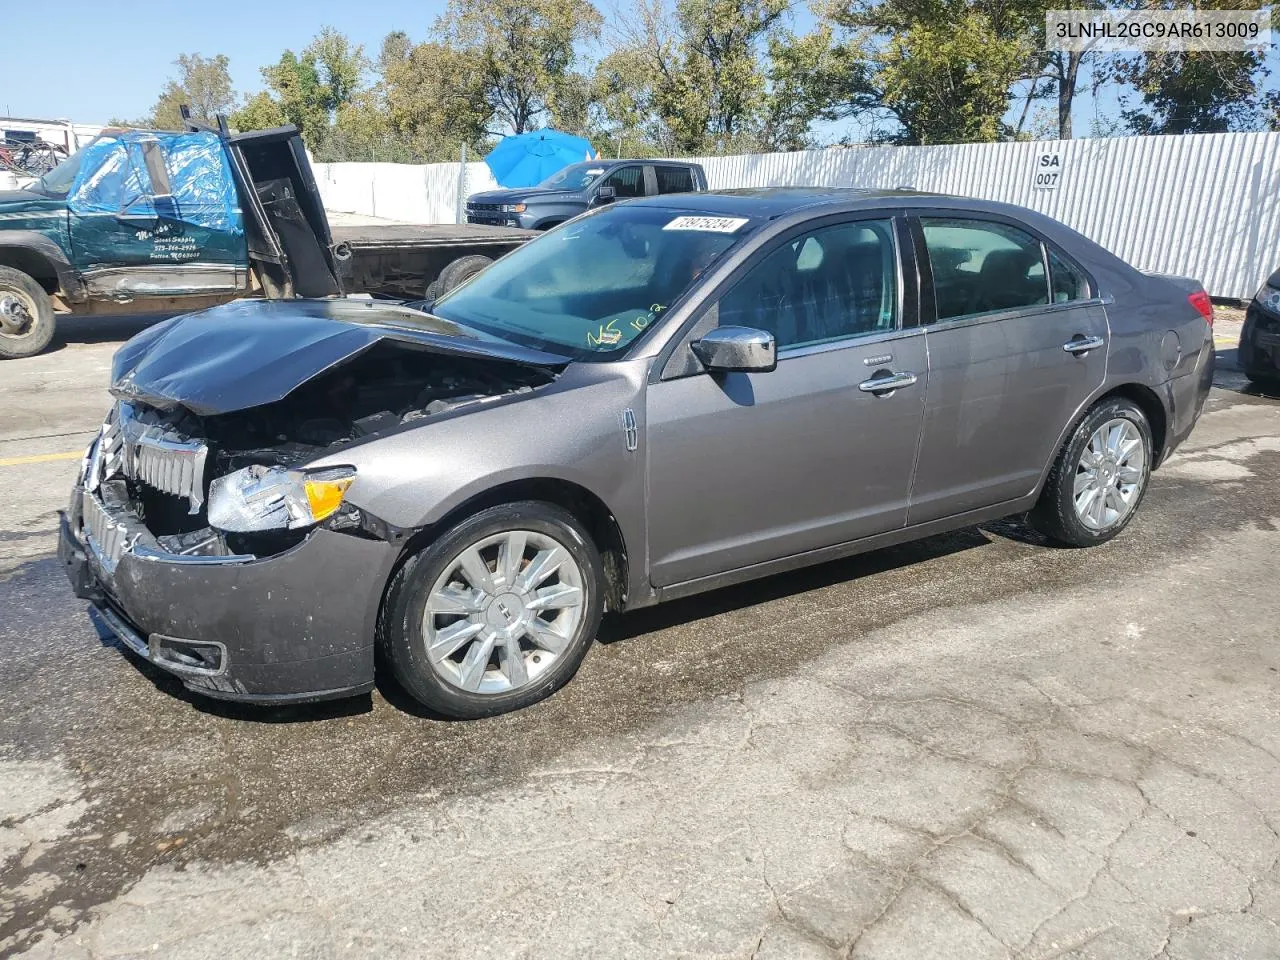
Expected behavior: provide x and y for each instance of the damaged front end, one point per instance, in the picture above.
(236, 484)
(208, 544)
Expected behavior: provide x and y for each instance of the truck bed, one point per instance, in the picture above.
(403, 236)
(402, 259)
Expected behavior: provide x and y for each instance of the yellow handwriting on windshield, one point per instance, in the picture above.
(607, 336)
(639, 323)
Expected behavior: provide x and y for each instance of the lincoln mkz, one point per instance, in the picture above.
(660, 397)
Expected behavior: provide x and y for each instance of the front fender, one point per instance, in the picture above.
(47, 251)
(572, 430)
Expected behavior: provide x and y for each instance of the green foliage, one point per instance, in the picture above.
(689, 77)
(520, 55)
(312, 86)
(259, 112)
(944, 68)
(1195, 92)
(203, 84)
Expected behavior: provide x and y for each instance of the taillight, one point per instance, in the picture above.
(1200, 300)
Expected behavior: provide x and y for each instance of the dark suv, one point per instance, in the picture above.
(580, 186)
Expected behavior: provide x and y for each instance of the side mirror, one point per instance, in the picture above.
(606, 195)
(737, 349)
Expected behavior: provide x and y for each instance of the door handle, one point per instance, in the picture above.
(1083, 344)
(887, 383)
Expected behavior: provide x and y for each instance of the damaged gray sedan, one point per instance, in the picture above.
(655, 399)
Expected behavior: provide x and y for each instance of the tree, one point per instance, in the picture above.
(1194, 92)
(259, 112)
(312, 86)
(716, 75)
(944, 68)
(522, 53)
(435, 98)
(203, 84)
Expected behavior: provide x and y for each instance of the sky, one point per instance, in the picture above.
(102, 65)
(98, 63)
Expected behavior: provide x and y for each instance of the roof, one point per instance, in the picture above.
(769, 202)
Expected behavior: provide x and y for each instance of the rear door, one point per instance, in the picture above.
(1018, 343)
(745, 468)
(673, 179)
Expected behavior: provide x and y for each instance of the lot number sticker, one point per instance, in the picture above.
(707, 224)
(1048, 171)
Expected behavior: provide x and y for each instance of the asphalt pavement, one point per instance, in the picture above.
(972, 746)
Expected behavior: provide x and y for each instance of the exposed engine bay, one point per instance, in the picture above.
(161, 467)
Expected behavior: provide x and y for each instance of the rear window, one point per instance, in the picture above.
(674, 179)
(980, 266)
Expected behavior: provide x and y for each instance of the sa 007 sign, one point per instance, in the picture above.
(1048, 173)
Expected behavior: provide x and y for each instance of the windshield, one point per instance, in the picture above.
(576, 176)
(57, 182)
(589, 288)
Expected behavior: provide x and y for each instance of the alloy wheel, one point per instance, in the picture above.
(502, 612)
(1111, 474)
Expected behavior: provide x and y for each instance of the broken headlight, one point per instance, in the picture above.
(1269, 298)
(259, 498)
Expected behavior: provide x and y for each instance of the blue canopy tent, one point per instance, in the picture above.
(526, 159)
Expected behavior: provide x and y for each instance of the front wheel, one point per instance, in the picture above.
(497, 614)
(26, 315)
(1099, 478)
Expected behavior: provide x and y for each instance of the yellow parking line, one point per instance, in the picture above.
(41, 458)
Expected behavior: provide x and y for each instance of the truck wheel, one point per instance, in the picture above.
(459, 272)
(26, 315)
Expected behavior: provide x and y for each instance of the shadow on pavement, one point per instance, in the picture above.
(109, 329)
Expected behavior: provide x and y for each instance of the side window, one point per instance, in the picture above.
(626, 182)
(830, 284)
(1068, 283)
(980, 266)
(113, 180)
(674, 179)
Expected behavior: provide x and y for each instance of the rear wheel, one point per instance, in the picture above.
(459, 272)
(497, 614)
(1099, 478)
(26, 315)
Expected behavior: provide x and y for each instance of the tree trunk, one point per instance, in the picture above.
(1068, 73)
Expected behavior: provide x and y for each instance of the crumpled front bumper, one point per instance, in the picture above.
(295, 627)
(1259, 349)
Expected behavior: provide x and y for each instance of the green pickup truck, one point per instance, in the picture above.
(139, 222)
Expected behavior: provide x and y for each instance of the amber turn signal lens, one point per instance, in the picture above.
(325, 496)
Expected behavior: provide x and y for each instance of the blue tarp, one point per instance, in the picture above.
(114, 178)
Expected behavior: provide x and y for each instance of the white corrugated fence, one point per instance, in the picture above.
(1203, 205)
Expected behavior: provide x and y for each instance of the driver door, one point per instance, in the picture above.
(135, 232)
(745, 468)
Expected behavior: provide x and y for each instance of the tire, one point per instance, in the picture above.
(1267, 381)
(1057, 515)
(434, 601)
(459, 272)
(29, 315)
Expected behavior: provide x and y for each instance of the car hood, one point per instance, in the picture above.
(8, 197)
(248, 353)
(522, 195)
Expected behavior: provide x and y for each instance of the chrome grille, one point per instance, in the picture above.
(107, 537)
(155, 454)
(169, 464)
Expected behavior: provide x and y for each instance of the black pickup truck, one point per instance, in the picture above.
(165, 222)
(580, 186)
